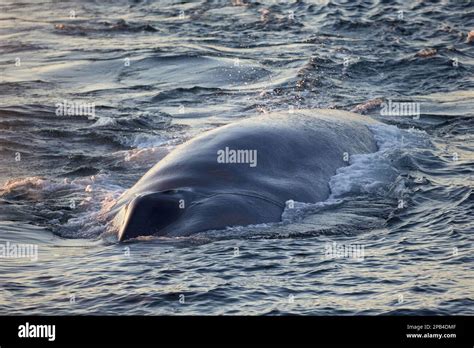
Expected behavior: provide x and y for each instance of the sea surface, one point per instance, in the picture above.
(395, 237)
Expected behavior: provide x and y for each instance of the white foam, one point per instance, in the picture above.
(89, 196)
(104, 121)
(33, 186)
(143, 140)
(142, 156)
(299, 209)
(91, 219)
(373, 173)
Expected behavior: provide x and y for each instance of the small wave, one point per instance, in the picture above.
(193, 92)
(71, 208)
(143, 140)
(194, 71)
(14, 47)
(374, 173)
(145, 121)
(30, 188)
(140, 157)
(101, 28)
(104, 121)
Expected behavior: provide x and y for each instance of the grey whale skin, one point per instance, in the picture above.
(189, 191)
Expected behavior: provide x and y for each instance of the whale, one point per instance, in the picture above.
(243, 173)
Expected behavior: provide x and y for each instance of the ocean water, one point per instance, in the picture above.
(396, 236)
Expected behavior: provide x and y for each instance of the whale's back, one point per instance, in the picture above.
(296, 154)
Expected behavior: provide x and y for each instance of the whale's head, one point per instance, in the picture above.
(182, 212)
(151, 213)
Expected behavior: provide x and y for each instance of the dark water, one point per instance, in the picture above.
(159, 73)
